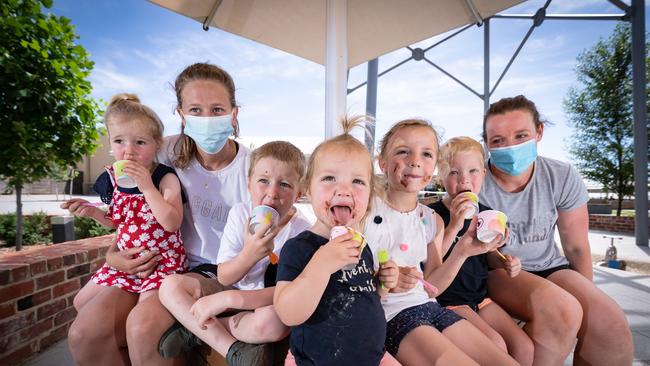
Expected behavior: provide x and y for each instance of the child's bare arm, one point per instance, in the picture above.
(256, 246)
(442, 274)
(82, 208)
(295, 301)
(458, 207)
(166, 204)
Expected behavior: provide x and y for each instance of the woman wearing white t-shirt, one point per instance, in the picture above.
(212, 169)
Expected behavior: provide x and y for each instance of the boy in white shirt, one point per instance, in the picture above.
(274, 177)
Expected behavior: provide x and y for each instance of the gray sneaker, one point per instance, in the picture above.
(247, 354)
(177, 340)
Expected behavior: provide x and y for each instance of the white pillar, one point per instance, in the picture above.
(336, 65)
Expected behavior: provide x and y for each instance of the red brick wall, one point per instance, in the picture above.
(37, 286)
(621, 224)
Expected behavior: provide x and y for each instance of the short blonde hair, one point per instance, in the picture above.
(283, 151)
(453, 146)
(346, 142)
(129, 106)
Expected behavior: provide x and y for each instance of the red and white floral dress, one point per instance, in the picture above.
(136, 227)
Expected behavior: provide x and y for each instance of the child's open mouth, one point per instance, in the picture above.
(342, 214)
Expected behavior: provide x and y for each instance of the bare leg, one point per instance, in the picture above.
(259, 326)
(604, 327)
(552, 315)
(481, 325)
(426, 346)
(178, 293)
(87, 293)
(520, 346)
(476, 345)
(98, 335)
(145, 325)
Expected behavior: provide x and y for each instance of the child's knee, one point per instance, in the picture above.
(171, 286)
(268, 326)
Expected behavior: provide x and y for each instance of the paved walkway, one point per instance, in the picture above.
(630, 290)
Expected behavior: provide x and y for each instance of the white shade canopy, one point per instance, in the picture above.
(374, 27)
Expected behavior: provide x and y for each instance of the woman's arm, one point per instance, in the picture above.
(573, 226)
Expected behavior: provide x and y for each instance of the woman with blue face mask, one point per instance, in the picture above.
(212, 168)
(554, 294)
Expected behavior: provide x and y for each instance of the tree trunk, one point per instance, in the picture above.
(619, 204)
(19, 217)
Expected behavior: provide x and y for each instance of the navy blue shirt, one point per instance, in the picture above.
(470, 285)
(348, 326)
(104, 187)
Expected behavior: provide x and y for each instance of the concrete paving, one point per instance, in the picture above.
(630, 290)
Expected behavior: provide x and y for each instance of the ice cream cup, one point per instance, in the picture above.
(263, 215)
(474, 201)
(121, 178)
(490, 224)
(356, 236)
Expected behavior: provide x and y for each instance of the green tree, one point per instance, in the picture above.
(47, 117)
(600, 113)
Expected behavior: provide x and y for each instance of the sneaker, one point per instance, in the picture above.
(247, 354)
(177, 340)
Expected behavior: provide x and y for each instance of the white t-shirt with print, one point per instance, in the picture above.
(232, 242)
(405, 235)
(210, 195)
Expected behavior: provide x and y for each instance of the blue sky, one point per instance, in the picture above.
(139, 47)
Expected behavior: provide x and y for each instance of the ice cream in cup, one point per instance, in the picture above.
(263, 215)
(474, 204)
(356, 236)
(121, 178)
(490, 224)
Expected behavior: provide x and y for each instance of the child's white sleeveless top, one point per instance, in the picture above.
(405, 235)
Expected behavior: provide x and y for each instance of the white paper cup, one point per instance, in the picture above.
(122, 179)
(263, 215)
(490, 224)
(356, 236)
(474, 202)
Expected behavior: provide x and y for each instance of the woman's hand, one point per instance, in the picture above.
(338, 253)
(206, 308)
(134, 261)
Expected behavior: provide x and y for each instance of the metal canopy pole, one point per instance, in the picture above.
(371, 103)
(640, 123)
(486, 65)
(336, 65)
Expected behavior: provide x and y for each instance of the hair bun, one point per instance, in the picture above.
(124, 97)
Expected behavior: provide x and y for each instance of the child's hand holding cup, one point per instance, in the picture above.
(491, 223)
(356, 236)
(121, 178)
(262, 216)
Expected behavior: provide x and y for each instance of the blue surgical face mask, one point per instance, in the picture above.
(514, 159)
(209, 133)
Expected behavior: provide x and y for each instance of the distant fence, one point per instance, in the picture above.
(37, 287)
